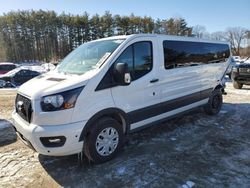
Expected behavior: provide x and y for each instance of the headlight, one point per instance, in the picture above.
(60, 101)
(54, 100)
(235, 69)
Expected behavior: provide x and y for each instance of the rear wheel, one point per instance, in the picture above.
(104, 140)
(237, 85)
(214, 103)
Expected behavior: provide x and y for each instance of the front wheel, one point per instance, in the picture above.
(104, 140)
(237, 85)
(214, 103)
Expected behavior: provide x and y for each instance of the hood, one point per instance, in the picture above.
(53, 82)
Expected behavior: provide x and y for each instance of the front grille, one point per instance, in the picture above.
(23, 107)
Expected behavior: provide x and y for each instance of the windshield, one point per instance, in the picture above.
(88, 56)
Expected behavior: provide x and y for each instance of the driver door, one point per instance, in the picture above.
(137, 98)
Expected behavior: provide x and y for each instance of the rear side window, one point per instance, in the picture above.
(214, 52)
(183, 53)
(139, 58)
(7, 67)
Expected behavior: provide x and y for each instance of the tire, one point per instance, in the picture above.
(96, 148)
(237, 85)
(214, 103)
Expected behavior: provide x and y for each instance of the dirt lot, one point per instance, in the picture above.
(195, 149)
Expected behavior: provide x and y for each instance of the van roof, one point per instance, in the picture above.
(165, 37)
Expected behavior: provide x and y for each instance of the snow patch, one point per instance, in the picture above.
(121, 170)
(151, 164)
(223, 112)
(4, 124)
(8, 89)
(173, 139)
(157, 139)
(188, 184)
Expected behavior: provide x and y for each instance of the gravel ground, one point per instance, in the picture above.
(193, 150)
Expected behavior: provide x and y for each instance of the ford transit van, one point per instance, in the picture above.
(110, 87)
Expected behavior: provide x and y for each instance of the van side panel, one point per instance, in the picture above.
(182, 87)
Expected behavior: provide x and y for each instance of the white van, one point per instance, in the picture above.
(107, 88)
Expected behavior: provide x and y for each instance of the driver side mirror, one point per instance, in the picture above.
(122, 75)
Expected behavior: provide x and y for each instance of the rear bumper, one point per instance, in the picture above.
(243, 78)
(31, 135)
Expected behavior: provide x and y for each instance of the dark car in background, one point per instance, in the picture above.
(18, 76)
(6, 67)
(241, 74)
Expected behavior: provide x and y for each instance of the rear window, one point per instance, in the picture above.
(184, 53)
(7, 67)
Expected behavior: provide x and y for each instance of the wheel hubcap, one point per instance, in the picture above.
(107, 141)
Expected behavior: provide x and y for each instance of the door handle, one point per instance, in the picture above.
(154, 80)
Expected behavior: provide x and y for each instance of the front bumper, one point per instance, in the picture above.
(31, 135)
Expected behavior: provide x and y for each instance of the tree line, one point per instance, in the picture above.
(238, 37)
(47, 36)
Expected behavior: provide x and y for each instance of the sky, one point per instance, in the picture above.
(215, 15)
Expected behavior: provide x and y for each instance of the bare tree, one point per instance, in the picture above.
(199, 31)
(219, 35)
(235, 35)
(248, 34)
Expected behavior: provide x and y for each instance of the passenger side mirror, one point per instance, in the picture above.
(122, 75)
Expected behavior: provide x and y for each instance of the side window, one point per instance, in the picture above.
(143, 59)
(215, 52)
(10, 67)
(139, 58)
(127, 57)
(184, 54)
(181, 54)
